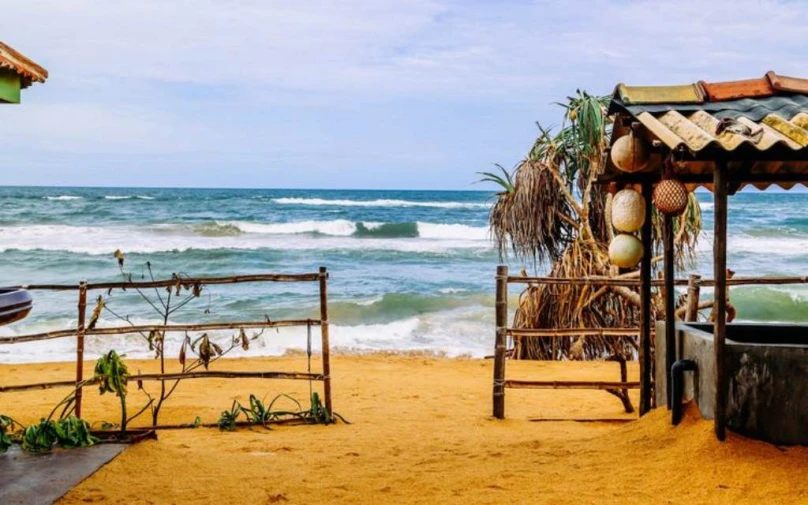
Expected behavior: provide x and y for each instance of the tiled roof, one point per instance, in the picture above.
(700, 92)
(28, 71)
(759, 125)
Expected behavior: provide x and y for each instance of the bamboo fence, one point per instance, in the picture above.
(80, 332)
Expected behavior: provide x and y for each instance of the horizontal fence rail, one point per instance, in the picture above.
(122, 330)
(81, 331)
(611, 281)
(207, 374)
(573, 332)
(525, 384)
(184, 281)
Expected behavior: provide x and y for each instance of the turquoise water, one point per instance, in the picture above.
(409, 269)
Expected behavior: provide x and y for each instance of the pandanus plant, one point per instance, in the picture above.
(552, 216)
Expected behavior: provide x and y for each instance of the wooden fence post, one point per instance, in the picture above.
(500, 341)
(670, 308)
(693, 295)
(720, 296)
(80, 344)
(324, 333)
(645, 305)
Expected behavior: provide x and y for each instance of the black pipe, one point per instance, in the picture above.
(678, 386)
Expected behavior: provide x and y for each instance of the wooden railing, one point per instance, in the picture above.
(503, 331)
(689, 312)
(81, 331)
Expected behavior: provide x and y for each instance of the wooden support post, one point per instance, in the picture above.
(80, 344)
(693, 295)
(645, 306)
(500, 341)
(670, 308)
(325, 342)
(720, 304)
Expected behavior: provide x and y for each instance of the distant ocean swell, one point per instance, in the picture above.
(310, 202)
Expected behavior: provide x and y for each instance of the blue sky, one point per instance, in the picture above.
(345, 94)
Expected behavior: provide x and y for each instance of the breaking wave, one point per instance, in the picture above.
(237, 235)
(61, 198)
(128, 197)
(379, 203)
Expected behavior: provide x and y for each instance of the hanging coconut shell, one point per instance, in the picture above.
(670, 197)
(630, 154)
(628, 210)
(625, 251)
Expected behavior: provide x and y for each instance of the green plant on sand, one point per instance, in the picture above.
(113, 377)
(259, 414)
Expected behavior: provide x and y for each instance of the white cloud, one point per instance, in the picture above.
(184, 76)
(411, 46)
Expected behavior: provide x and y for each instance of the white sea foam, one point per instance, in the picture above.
(63, 198)
(451, 291)
(770, 246)
(455, 332)
(379, 203)
(452, 231)
(334, 235)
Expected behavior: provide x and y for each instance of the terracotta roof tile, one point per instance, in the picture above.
(787, 84)
(734, 90)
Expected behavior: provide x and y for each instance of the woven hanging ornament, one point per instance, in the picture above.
(670, 197)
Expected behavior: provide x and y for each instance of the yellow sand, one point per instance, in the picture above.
(421, 433)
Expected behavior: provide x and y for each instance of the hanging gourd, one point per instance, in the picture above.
(630, 153)
(628, 210)
(670, 197)
(625, 251)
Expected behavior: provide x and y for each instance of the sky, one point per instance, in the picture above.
(367, 94)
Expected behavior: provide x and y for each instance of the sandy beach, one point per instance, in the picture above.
(421, 432)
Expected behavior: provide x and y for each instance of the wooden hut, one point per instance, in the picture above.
(721, 136)
(17, 73)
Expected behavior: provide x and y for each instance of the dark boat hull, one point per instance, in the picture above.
(15, 304)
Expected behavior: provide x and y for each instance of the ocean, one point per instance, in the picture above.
(410, 270)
